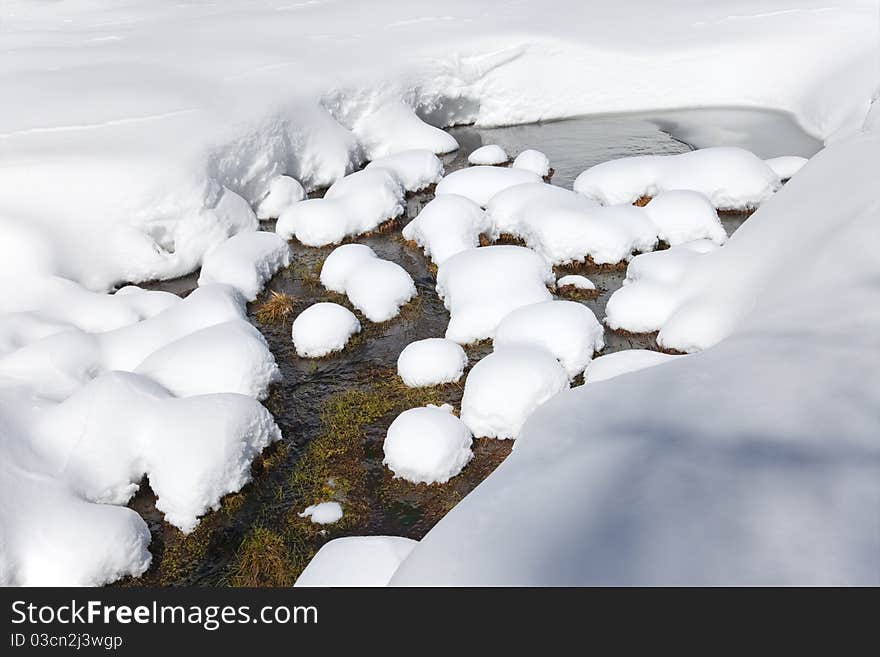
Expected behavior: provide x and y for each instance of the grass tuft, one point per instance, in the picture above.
(276, 309)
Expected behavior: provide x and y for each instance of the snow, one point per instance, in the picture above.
(481, 183)
(228, 357)
(576, 281)
(427, 445)
(284, 191)
(604, 235)
(731, 177)
(504, 388)
(623, 362)
(431, 362)
(355, 204)
(340, 264)
(650, 290)
(683, 216)
(131, 149)
(447, 225)
(480, 286)
(786, 165)
(378, 288)
(526, 204)
(534, 161)
(567, 329)
(750, 462)
(488, 155)
(416, 169)
(246, 262)
(356, 561)
(394, 127)
(323, 513)
(323, 328)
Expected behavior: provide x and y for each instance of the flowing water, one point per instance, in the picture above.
(333, 412)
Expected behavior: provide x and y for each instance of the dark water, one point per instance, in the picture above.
(214, 553)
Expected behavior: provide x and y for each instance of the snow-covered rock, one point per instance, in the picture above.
(246, 261)
(534, 161)
(394, 127)
(356, 561)
(567, 329)
(341, 262)
(228, 357)
(431, 362)
(416, 169)
(323, 328)
(447, 225)
(651, 289)
(490, 154)
(732, 178)
(624, 362)
(576, 281)
(323, 513)
(104, 438)
(427, 445)
(378, 288)
(786, 165)
(480, 286)
(284, 191)
(481, 183)
(355, 204)
(684, 216)
(527, 203)
(504, 388)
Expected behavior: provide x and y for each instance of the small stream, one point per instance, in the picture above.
(257, 538)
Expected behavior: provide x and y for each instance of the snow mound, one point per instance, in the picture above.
(323, 328)
(481, 183)
(732, 178)
(480, 286)
(447, 225)
(104, 438)
(341, 262)
(355, 204)
(567, 329)
(684, 216)
(526, 203)
(534, 161)
(246, 261)
(284, 191)
(652, 289)
(394, 127)
(427, 445)
(624, 362)
(228, 357)
(786, 166)
(323, 513)
(504, 388)
(576, 281)
(378, 288)
(606, 235)
(431, 362)
(356, 561)
(416, 169)
(490, 154)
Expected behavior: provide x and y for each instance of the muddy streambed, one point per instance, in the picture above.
(334, 411)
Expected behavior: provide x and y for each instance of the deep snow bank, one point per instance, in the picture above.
(129, 147)
(753, 462)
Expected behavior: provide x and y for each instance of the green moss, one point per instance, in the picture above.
(265, 558)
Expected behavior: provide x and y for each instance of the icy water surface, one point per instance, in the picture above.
(333, 412)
